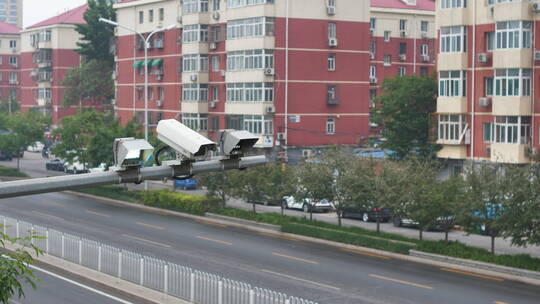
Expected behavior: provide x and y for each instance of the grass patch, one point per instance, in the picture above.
(11, 172)
(114, 192)
(268, 218)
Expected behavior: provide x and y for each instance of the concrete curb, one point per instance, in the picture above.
(481, 265)
(127, 290)
(492, 272)
(243, 221)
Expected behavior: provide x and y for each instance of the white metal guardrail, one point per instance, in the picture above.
(173, 279)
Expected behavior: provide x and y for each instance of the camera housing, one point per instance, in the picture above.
(184, 140)
(130, 152)
(235, 143)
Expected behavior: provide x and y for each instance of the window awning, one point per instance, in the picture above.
(137, 64)
(157, 62)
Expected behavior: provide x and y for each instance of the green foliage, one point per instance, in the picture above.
(268, 218)
(12, 172)
(403, 109)
(219, 184)
(14, 268)
(91, 81)
(9, 106)
(114, 192)
(165, 199)
(97, 36)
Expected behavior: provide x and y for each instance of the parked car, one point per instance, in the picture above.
(186, 184)
(75, 167)
(367, 215)
(307, 205)
(101, 168)
(55, 165)
(35, 147)
(399, 221)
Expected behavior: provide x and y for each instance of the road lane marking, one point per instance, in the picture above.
(52, 203)
(284, 237)
(400, 281)
(150, 226)
(472, 274)
(211, 223)
(146, 241)
(99, 292)
(294, 258)
(214, 240)
(365, 253)
(48, 215)
(300, 279)
(96, 213)
(499, 302)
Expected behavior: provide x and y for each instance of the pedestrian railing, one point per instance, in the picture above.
(172, 279)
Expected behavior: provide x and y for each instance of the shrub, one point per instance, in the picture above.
(269, 218)
(11, 172)
(165, 199)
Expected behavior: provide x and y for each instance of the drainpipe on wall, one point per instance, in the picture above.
(286, 74)
(416, 32)
(473, 86)
(532, 86)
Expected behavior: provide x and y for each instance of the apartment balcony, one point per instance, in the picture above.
(260, 75)
(194, 77)
(44, 44)
(512, 106)
(516, 10)
(452, 152)
(43, 102)
(195, 48)
(452, 61)
(452, 105)
(196, 18)
(512, 58)
(451, 17)
(14, 82)
(194, 107)
(250, 11)
(44, 64)
(509, 153)
(44, 77)
(265, 42)
(248, 108)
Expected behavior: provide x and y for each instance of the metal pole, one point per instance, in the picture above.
(166, 279)
(63, 246)
(220, 292)
(192, 287)
(4, 226)
(251, 296)
(17, 229)
(99, 259)
(120, 264)
(146, 41)
(80, 252)
(142, 272)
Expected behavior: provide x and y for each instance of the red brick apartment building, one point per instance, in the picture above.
(488, 70)
(10, 41)
(47, 55)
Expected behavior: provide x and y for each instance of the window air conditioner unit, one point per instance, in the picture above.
(34, 73)
(331, 10)
(159, 103)
(113, 102)
(212, 105)
(159, 76)
(222, 73)
(402, 57)
(373, 80)
(536, 7)
(373, 125)
(113, 75)
(193, 77)
(281, 136)
(212, 46)
(270, 109)
(371, 32)
(484, 101)
(269, 72)
(424, 35)
(403, 33)
(215, 15)
(536, 55)
(483, 58)
(306, 153)
(332, 42)
(425, 58)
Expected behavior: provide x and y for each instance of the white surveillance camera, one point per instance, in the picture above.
(130, 152)
(236, 143)
(183, 139)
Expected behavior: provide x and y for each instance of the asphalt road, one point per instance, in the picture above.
(55, 289)
(320, 273)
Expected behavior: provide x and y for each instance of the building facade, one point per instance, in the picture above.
(11, 11)
(9, 61)
(487, 66)
(47, 55)
(294, 73)
(403, 41)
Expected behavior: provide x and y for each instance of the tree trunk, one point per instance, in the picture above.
(378, 223)
(282, 209)
(420, 234)
(311, 214)
(339, 218)
(254, 208)
(446, 236)
(492, 244)
(19, 163)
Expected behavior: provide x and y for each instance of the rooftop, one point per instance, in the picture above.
(426, 5)
(10, 29)
(74, 16)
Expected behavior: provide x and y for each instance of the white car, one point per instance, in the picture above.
(101, 168)
(35, 147)
(307, 204)
(75, 167)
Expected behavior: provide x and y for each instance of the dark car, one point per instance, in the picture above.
(367, 215)
(4, 156)
(55, 165)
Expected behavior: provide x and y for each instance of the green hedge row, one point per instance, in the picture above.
(268, 218)
(193, 204)
(11, 172)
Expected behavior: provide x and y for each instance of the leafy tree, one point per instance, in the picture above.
(24, 129)
(96, 37)
(9, 106)
(281, 181)
(15, 268)
(91, 81)
(390, 186)
(220, 184)
(252, 184)
(403, 109)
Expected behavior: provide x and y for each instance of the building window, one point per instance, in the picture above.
(195, 33)
(12, 94)
(373, 49)
(387, 60)
(194, 6)
(256, 124)
(454, 3)
(402, 71)
(372, 97)
(331, 62)
(330, 126)
(424, 49)
(453, 39)
(141, 17)
(423, 71)
(513, 34)
(402, 48)
(161, 93)
(13, 44)
(250, 27)
(490, 41)
(488, 131)
(214, 122)
(372, 24)
(332, 30)
(452, 83)
(424, 26)
(250, 60)
(195, 92)
(451, 127)
(195, 63)
(512, 129)
(386, 36)
(373, 71)
(13, 61)
(215, 93)
(513, 82)
(331, 93)
(488, 86)
(12, 77)
(215, 63)
(215, 33)
(215, 5)
(242, 3)
(161, 14)
(151, 15)
(402, 25)
(195, 121)
(250, 92)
